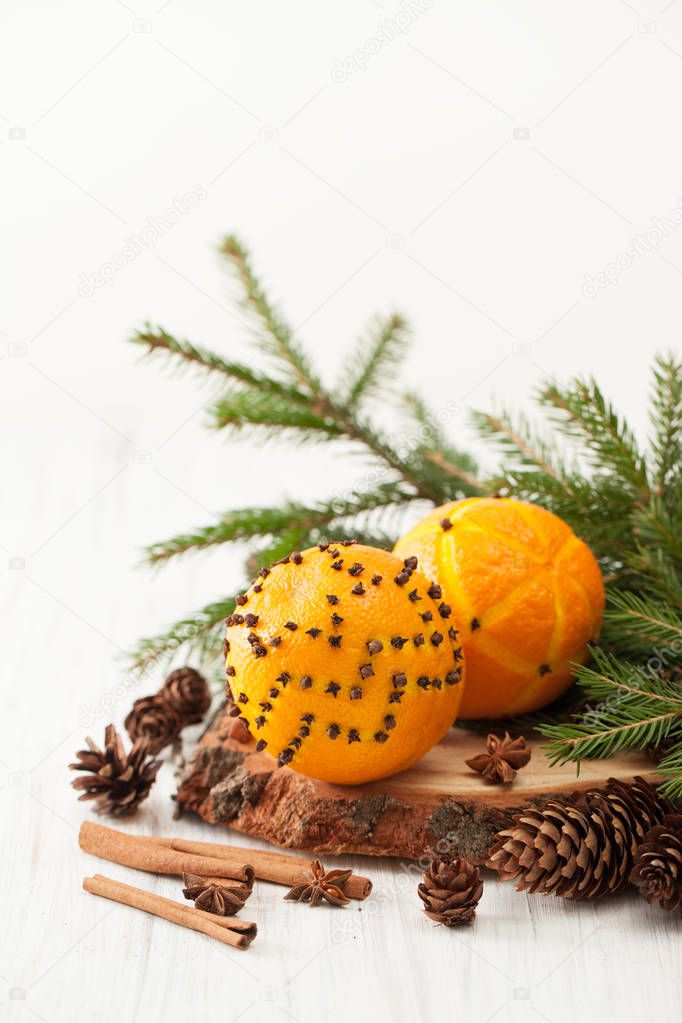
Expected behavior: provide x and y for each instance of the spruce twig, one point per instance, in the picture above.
(291, 517)
(666, 421)
(376, 359)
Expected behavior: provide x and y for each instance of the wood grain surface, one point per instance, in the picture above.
(439, 803)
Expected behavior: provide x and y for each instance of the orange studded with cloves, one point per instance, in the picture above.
(345, 662)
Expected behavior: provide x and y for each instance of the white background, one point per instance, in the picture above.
(470, 171)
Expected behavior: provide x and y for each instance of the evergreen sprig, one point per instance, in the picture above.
(582, 462)
(636, 707)
(291, 518)
(288, 400)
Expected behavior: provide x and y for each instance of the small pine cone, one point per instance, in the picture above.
(582, 847)
(154, 719)
(187, 691)
(451, 890)
(117, 780)
(658, 864)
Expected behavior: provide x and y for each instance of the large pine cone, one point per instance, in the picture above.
(581, 847)
(117, 780)
(658, 865)
(451, 891)
(187, 691)
(154, 719)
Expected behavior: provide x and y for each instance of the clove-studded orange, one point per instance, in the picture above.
(345, 662)
(527, 591)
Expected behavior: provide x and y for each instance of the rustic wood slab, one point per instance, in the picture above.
(438, 800)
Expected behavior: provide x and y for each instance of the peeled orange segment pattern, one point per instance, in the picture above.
(528, 591)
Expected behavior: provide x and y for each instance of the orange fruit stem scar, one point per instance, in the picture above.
(527, 590)
(345, 662)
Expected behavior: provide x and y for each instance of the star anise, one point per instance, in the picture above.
(323, 886)
(223, 899)
(502, 759)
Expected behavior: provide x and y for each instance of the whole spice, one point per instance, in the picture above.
(215, 895)
(321, 886)
(187, 691)
(207, 859)
(450, 891)
(154, 719)
(158, 856)
(583, 847)
(229, 930)
(116, 780)
(658, 864)
(502, 759)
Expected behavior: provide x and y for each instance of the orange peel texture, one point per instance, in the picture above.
(345, 662)
(527, 591)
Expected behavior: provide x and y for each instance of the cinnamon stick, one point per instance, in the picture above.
(229, 930)
(179, 855)
(280, 868)
(157, 857)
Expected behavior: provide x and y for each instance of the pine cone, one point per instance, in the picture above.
(451, 891)
(154, 719)
(502, 759)
(658, 865)
(187, 691)
(117, 780)
(582, 847)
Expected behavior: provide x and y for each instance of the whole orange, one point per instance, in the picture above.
(527, 590)
(344, 662)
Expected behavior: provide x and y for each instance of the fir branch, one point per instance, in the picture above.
(375, 360)
(585, 413)
(670, 766)
(279, 416)
(637, 709)
(458, 472)
(199, 635)
(659, 525)
(518, 442)
(290, 518)
(653, 574)
(433, 450)
(276, 338)
(634, 624)
(274, 335)
(666, 421)
(431, 435)
(159, 340)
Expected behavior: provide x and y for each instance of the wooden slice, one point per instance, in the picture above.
(438, 802)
